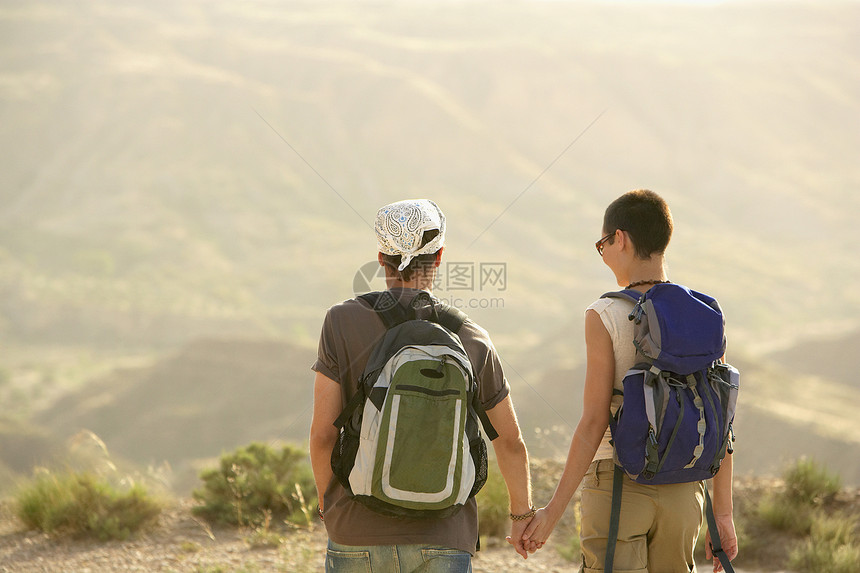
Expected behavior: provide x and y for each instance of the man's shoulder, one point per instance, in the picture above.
(474, 330)
(348, 305)
(475, 339)
(350, 310)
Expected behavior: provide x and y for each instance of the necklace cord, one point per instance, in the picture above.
(650, 282)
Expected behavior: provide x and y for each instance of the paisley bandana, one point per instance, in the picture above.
(400, 227)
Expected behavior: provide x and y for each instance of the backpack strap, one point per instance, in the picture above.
(614, 519)
(353, 404)
(442, 313)
(634, 296)
(452, 317)
(489, 429)
(386, 306)
(627, 294)
(716, 545)
(392, 313)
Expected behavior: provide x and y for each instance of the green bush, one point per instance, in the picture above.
(785, 513)
(262, 537)
(254, 480)
(832, 546)
(85, 505)
(494, 518)
(810, 483)
(570, 551)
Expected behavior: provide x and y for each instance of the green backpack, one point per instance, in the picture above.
(410, 443)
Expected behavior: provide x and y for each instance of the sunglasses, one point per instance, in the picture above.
(599, 244)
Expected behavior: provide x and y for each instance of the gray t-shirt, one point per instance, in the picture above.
(350, 331)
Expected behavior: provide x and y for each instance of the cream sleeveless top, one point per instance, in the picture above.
(613, 313)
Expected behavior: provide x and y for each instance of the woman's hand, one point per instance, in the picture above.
(539, 529)
(728, 540)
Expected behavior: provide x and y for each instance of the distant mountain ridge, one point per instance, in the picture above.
(834, 357)
(175, 172)
(215, 395)
(211, 396)
(168, 173)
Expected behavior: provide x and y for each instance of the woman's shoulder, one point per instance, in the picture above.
(612, 305)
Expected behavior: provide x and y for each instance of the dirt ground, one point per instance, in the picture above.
(182, 543)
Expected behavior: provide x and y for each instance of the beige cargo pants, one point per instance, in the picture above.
(658, 527)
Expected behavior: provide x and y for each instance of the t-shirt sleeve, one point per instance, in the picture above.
(326, 362)
(495, 386)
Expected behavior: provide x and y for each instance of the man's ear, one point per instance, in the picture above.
(438, 260)
(379, 258)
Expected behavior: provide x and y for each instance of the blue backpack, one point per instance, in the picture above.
(675, 421)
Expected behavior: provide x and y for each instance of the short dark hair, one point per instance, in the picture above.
(645, 216)
(421, 263)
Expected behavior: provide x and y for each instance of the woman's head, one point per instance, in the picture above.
(645, 217)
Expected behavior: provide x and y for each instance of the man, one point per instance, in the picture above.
(410, 237)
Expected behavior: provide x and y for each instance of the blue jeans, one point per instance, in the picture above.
(395, 559)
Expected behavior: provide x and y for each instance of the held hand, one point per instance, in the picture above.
(539, 529)
(728, 539)
(516, 538)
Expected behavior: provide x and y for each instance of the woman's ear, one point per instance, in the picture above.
(622, 238)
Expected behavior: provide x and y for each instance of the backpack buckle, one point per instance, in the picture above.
(636, 314)
(652, 455)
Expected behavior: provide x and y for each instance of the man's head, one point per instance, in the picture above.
(645, 217)
(410, 235)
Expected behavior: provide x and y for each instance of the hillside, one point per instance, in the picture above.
(169, 171)
(186, 187)
(215, 395)
(831, 356)
(210, 397)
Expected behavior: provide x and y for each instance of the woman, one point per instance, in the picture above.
(659, 523)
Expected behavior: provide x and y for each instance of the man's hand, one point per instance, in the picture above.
(518, 528)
